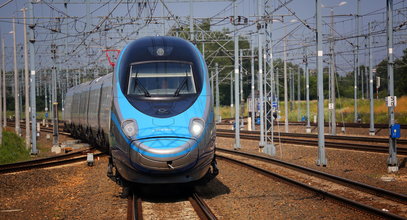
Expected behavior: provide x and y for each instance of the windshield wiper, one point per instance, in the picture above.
(143, 89)
(183, 83)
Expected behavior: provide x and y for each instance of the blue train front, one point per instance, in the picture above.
(162, 126)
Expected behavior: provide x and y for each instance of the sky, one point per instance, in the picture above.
(344, 25)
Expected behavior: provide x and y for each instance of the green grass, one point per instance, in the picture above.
(13, 149)
(344, 110)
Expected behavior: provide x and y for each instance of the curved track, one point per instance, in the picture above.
(349, 199)
(47, 162)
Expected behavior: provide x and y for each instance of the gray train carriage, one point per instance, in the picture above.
(87, 110)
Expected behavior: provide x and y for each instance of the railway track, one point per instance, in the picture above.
(352, 142)
(369, 199)
(48, 162)
(229, 121)
(135, 207)
(48, 129)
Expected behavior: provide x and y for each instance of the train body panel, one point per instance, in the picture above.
(160, 116)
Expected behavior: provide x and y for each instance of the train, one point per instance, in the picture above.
(154, 114)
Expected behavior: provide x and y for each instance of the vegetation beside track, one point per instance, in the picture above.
(13, 149)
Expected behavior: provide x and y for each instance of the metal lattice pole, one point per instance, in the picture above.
(260, 74)
(268, 87)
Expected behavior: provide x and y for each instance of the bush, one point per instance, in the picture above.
(13, 149)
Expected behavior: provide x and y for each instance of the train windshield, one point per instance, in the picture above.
(163, 78)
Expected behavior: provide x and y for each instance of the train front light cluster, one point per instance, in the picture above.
(196, 127)
(130, 128)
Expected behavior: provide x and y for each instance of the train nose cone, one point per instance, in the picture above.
(164, 154)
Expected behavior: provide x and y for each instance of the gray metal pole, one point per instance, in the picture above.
(4, 85)
(26, 87)
(231, 95)
(241, 101)
(16, 83)
(285, 85)
(46, 98)
(299, 93)
(291, 82)
(371, 130)
(213, 85)
(333, 78)
(32, 82)
(321, 138)
(357, 73)
(252, 85)
(54, 98)
(277, 85)
(191, 21)
(260, 74)
(2, 74)
(308, 127)
(366, 71)
(355, 92)
(392, 163)
(218, 118)
(66, 57)
(237, 100)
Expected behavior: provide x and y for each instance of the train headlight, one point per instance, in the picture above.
(129, 127)
(196, 127)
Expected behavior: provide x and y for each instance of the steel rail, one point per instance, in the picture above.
(327, 136)
(200, 207)
(46, 162)
(337, 145)
(333, 196)
(134, 207)
(354, 184)
(226, 121)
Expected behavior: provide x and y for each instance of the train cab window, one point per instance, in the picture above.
(162, 78)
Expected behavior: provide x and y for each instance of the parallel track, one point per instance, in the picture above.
(360, 186)
(47, 162)
(227, 121)
(327, 136)
(307, 139)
